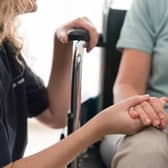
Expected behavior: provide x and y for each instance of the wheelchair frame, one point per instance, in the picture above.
(110, 63)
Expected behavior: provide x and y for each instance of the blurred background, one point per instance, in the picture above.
(38, 29)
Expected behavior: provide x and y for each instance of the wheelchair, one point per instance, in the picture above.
(80, 114)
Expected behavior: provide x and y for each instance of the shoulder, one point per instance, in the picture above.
(150, 13)
(153, 8)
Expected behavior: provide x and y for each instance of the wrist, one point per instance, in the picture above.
(102, 127)
(94, 129)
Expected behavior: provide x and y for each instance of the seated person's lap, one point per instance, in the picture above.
(148, 148)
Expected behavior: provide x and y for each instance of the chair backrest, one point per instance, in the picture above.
(111, 56)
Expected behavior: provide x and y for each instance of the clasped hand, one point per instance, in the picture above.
(151, 112)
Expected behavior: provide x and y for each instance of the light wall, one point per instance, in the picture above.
(38, 29)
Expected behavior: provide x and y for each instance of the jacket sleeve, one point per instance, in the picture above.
(36, 93)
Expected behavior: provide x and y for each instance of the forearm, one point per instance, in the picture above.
(114, 119)
(123, 91)
(133, 74)
(60, 80)
(63, 152)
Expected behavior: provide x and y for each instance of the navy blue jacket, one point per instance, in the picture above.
(22, 95)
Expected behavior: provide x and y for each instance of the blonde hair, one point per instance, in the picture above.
(9, 9)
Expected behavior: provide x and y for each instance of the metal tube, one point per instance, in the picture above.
(106, 9)
(76, 83)
(76, 89)
(107, 3)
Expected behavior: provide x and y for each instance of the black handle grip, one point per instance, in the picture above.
(78, 34)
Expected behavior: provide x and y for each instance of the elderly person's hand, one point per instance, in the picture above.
(83, 23)
(116, 119)
(151, 112)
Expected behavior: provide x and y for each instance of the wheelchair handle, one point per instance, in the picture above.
(83, 35)
(78, 34)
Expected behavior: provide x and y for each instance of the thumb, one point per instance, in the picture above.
(134, 100)
(163, 100)
(62, 36)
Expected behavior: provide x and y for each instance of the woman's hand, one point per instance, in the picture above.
(84, 23)
(151, 112)
(116, 119)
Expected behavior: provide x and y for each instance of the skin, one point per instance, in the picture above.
(114, 119)
(126, 85)
(59, 85)
(60, 79)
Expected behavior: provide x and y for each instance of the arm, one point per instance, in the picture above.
(60, 77)
(132, 80)
(138, 38)
(104, 123)
(59, 87)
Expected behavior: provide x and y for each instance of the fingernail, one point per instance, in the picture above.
(161, 115)
(147, 95)
(131, 109)
(135, 113)
(147, 121)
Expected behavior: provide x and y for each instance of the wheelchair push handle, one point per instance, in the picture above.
(78, 34)
(83, 35)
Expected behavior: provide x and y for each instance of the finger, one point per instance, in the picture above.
(164, 100)
(135, 100)
(133, 113)
(148, 109)
(164, 122)
(143, 116)
(158, 106)
(87, 25)
(63, 37)
(61, 34)
(93, 34)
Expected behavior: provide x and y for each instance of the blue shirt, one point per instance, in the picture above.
(146, 29)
